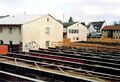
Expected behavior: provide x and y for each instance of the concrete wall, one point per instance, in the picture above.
(34, 33)
(82, 35)
(14, 36)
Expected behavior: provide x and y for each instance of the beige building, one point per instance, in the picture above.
(111, 32)
(33, 31)
(75, 31)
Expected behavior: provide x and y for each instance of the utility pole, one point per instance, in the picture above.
(24, 12)
(63, 17)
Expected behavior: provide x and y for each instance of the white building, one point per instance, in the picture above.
(33, 31)
(75, 31)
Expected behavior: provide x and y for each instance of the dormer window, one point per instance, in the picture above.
(96, 27)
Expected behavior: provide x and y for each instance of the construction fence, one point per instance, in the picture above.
(94, 46)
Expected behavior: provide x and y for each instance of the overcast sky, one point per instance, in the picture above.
(80, 10)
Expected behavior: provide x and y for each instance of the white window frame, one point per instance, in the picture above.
(47, 30)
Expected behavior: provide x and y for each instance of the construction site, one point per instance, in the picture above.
(97, 60)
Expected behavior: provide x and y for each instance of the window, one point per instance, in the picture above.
(47, 19)
(73, 31)
(77, 38)
(10, 30)
(1, 42)
(19, 30)
(10, 42)
(47, 30)
(96, 27)
(70, 31)
(77, 31)
(47, 43)
(1, 30)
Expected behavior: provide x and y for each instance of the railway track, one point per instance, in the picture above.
(87, 53)
(6, 77)
(81, 56)
(77, 60)
(30, 68)
(91, 68)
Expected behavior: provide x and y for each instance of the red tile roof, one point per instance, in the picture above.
(111, 28)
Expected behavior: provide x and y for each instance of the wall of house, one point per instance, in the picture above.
(7, 35)
(104, 34)
(116, 34)
(80, 36)
(34, 33)
(91, 29)
(64, 30)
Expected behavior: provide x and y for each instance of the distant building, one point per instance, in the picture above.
(111, 32)
(75, 31)
(33, 31)
(94, 28)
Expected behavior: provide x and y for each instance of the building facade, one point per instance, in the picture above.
(111, 32)
(41, 33)
(10, 34)
(33, 31)
(75, 31)
(94, 28)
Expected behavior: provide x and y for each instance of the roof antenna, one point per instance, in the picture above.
(63, 17)
(24, 12)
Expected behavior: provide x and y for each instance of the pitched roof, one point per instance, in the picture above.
(97, 25)
(21, 19)
(111, 28)
(3, 16)
(67, 24)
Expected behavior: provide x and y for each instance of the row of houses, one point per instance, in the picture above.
(100, 30)
(111, 32)
(38, 31)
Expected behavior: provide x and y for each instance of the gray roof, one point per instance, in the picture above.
(3, 16)
(67, 24)
(18, 20)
